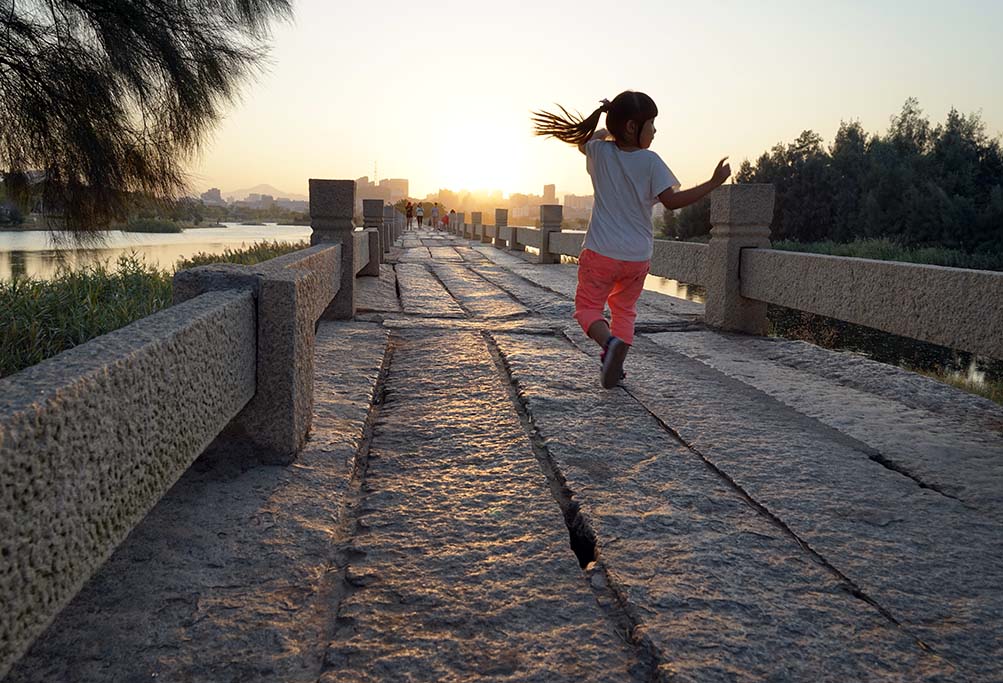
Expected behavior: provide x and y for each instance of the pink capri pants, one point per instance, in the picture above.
(603, 280)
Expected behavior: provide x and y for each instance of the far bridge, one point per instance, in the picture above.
(425, 482)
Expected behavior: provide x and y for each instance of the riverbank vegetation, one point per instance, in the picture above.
(44, 317)
(918, 193)
(917, 186)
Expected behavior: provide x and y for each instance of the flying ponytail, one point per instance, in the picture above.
(569, 128)
(573, 129)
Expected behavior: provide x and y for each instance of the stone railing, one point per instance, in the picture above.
(952, 307)
(91, 439)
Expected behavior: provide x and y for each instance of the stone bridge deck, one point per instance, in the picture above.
(472, 506)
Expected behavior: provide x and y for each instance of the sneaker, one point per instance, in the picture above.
(612, 362)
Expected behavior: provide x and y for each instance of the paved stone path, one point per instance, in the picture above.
(472, 506)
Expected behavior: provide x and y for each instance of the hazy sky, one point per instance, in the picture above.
(440, 92)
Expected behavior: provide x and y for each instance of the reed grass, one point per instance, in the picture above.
(42, 318)
(986, 389)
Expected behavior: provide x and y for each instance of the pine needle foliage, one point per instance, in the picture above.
(102, 99)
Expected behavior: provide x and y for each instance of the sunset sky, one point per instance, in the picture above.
(440, 92)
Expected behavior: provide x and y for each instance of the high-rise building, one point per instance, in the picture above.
(396, 188)
(549, 194)
(213, 196)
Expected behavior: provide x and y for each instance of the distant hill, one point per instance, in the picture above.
(236, 195)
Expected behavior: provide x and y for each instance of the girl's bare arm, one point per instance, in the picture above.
(676, 200)
(600, 134)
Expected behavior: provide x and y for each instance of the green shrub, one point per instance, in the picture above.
(45, 317)
(256, 253)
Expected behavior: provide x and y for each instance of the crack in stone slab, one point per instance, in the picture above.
(454, 504)
(348, 514)
(582, 537)
(850, 586)
(453, 296)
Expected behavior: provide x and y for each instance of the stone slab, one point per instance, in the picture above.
(422, 293)
(721, 591)
(935, 445)
(464, 571)
(932, 563)
(475, 294)
(378, 294)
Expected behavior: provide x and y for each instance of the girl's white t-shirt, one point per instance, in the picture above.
(626, 186)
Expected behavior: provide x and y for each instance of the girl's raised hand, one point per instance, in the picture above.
(722, 172)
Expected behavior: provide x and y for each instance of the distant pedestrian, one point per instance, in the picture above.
(435, 216)
(628, 179)
(409, 209)
(419, 213)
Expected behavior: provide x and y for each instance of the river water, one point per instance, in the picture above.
(39, 254)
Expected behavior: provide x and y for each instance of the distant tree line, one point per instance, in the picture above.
(918, 185)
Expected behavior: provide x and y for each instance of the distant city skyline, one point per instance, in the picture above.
(350, 85)
(553, 195)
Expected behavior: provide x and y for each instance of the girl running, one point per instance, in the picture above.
(627, 180)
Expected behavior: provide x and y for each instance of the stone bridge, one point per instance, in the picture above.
(471, 505)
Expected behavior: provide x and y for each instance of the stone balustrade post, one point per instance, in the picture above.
(476, 224)
(372, 267)
(551, 216)
(486, 232)
(388, 225)
(740, 217)
(501, 221)
(332, 203)
(372, 219)
(513, 243)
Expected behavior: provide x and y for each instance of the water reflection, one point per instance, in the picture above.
(40, 254)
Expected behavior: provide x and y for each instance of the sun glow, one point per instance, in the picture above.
(469, 160)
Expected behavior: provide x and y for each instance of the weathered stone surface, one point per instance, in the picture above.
(229, 577)
(413, 253)
(722, 592)
(933, 564)
(423, 294)
(444, 254)
(683, 261)
(539, 301)
(292, 292)
(938, 449)
(470, 255)
(464, 570)
(567, 242)
(925, 302)
(378, 293)
(91, 438)
(475, 294)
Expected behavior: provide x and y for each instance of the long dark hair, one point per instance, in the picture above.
(573, 129)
